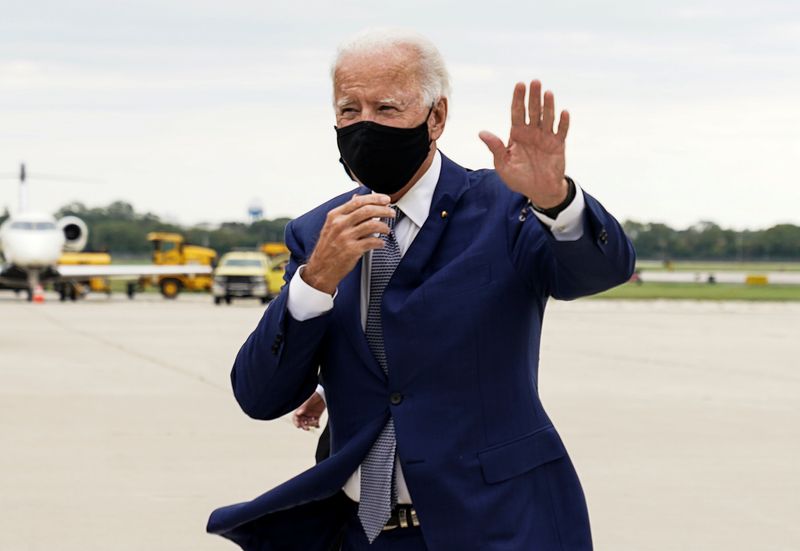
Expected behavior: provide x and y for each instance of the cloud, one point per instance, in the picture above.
(674, 105)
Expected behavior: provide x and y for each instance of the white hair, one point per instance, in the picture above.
(433, 77)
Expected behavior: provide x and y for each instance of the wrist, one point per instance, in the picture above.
(551, 207)
(317, 280)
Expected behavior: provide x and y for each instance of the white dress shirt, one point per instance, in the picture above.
(305, 302)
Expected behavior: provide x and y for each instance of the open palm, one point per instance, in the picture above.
(533, 162)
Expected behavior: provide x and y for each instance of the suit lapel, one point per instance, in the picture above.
(452, 183)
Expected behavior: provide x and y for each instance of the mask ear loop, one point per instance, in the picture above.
(433, 103)
(428, 116)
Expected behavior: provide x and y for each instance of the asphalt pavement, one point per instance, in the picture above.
(118, 429)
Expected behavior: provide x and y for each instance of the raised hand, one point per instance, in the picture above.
(533, 161)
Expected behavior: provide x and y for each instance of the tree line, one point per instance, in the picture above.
(708, 241)
(118, 228)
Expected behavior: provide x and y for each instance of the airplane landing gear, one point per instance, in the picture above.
(67, 290)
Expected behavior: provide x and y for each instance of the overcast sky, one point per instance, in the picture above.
(681, 111)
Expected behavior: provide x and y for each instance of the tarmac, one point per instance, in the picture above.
(118, 430)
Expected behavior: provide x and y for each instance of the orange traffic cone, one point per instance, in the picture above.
(38, 294)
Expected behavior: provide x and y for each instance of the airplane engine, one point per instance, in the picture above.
(75, 233)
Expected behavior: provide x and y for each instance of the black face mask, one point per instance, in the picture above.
(383, 158)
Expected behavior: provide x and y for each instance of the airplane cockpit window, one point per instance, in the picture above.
(32, 225)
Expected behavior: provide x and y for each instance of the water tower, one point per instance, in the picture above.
(255, 211)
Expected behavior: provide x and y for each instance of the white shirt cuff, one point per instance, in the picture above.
(321, 392)
(568, 225)
(304, 301)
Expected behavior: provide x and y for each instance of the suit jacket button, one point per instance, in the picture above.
(396, 398)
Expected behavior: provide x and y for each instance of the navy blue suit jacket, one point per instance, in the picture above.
(462, 318)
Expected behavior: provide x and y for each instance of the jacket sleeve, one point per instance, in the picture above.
(601, 259)
(276, 368)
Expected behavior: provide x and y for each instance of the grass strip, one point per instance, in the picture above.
(702, 291)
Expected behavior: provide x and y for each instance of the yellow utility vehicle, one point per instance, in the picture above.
(73, 289)
(277, 267)
(278, 255)
(274, 248)
(171, 249)
(242, 274)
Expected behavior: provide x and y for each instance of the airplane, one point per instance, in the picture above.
(32, 243)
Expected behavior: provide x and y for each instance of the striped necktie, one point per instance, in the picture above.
(378, 491)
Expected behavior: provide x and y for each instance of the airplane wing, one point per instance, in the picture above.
(128, 271)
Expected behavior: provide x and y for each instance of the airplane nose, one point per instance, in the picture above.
(32, 250)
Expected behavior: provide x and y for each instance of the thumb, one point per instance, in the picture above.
(495, 145)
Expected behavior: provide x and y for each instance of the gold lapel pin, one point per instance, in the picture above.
(444, 214)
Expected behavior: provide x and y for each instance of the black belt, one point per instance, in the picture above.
(403, 516)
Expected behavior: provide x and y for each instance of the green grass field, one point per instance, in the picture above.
(135, 260)
(703, 291)
(690, 266)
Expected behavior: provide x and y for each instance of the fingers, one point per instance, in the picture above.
(369, 243)
(368, 212)
(361, 200)
(306, 423)
(302, 420)
(364, 222)
(543, 113)
(548, 113)
(495, 145)
(535, 103)
(370, 226)
(563, 126)
(367, 230)
(518, 105)
(339, 246)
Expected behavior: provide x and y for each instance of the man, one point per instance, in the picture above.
(419, 307)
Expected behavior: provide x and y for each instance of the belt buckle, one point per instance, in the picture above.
(405, 518)
(402, 515)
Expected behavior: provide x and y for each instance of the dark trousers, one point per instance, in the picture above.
(324, 444)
